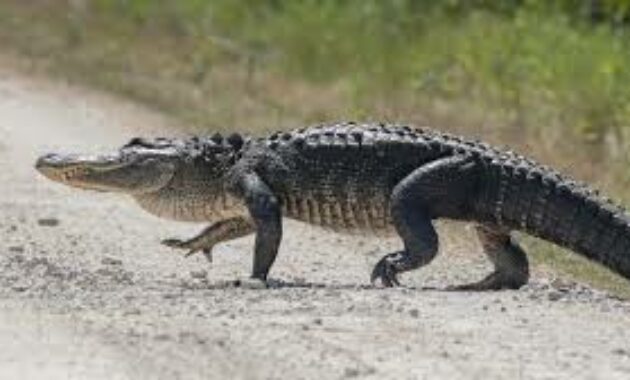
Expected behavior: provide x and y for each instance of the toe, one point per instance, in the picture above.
(386, 273)
(250, 283)
(378, 272)
(173, 243)
(207, 253)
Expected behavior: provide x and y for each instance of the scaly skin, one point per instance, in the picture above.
(355, 178)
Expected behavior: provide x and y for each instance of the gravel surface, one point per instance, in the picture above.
(87, 292)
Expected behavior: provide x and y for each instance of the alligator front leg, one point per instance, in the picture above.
(205, 241)
(264, 209)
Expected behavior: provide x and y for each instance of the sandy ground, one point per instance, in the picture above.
(87, 292)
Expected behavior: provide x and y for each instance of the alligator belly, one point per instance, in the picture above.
(344, 215)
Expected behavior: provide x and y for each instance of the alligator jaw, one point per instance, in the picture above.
(70, 169)
(112, 172)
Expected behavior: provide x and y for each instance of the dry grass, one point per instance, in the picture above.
(557, 260)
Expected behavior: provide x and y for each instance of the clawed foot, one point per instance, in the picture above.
(190, 246)
(494, 281)
(385, 270)
(250, 283)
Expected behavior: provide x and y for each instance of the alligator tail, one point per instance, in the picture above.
(541, 202)
(595, 228)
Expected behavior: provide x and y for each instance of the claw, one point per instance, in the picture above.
(173, 243)
(494, 281)
(395, 280)
(250, 283)
(190, 253)
(182, 244)
(385, 271)
(207, 253)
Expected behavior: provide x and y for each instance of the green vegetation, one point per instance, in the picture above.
(548, 258)
(549, 77)
(520, 65)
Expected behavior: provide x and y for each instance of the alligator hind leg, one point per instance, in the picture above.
(438, 188)
(421, 245)
(205, 241)
(511, 268)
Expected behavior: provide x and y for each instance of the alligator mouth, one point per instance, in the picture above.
(68, 174)
(110, 172)
(68, 168)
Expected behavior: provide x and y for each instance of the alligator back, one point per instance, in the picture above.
(341, 176)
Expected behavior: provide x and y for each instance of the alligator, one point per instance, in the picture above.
(358, 178)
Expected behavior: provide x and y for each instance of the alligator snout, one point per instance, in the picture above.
(47, 160)
(59, 167)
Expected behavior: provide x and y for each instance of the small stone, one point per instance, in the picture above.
(16, 249)
(162, 337)
(414, 313)
(20, 287)
(351, 372)
(132, 312)
(318, 321)
(48, 222)
(199, 274)
(111, 261)
(554, 296)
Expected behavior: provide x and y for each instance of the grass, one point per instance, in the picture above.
(553, 259)
(537, 78)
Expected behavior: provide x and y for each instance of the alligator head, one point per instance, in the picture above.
(161, 174)
(137, 167)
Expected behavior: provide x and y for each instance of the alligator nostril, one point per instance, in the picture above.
(44, 160)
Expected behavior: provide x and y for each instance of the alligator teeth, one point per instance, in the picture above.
(71, 173)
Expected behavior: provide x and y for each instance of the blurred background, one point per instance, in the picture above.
(551, 78)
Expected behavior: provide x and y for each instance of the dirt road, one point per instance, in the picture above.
(87, 292)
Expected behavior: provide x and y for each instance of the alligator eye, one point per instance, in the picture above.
(134, 141)
(139, 141)
(217, 138)
(235, 140)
